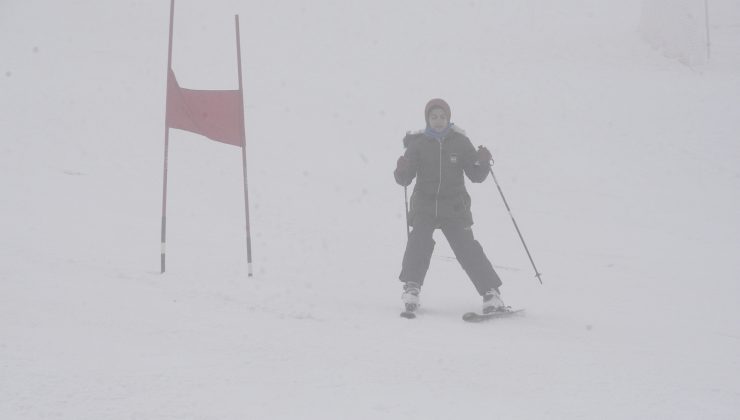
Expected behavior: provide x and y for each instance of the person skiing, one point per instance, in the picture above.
(437, 157)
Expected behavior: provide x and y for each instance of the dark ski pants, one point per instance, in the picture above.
(468, 251)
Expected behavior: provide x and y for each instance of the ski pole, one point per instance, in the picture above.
(536, 272)
(406, 200)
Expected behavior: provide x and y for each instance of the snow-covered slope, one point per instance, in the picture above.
(619, 164)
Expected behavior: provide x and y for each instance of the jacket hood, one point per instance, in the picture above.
(437, 103)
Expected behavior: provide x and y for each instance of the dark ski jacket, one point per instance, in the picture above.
(439, 192)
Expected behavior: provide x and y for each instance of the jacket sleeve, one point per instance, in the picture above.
(404, 177)
(476, 172)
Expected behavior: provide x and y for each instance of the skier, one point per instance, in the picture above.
(437, 157)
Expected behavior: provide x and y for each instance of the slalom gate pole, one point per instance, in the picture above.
(536, 272)
(244, 147)
(163, 240)
(706, 25)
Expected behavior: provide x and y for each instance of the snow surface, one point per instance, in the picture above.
(621, 167)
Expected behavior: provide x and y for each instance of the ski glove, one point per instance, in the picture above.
(403, 164)
(483, 156)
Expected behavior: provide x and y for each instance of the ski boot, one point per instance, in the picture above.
(492, 302)
(410, 298)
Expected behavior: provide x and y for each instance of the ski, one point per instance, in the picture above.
(408, 314)
(478, 317)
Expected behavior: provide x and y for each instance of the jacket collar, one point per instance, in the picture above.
(438, 135)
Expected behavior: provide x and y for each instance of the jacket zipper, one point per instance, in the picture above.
(439, 186)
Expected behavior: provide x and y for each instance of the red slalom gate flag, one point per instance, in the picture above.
(216, 114)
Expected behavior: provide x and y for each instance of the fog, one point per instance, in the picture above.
(613, 127)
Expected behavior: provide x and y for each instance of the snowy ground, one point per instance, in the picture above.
(621, 167)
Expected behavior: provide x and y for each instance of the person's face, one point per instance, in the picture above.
(438, 119)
